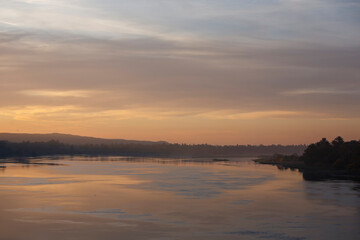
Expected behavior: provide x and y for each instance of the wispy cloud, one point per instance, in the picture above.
(57, 93)
(252, 115)
(32, 112)
(76, 17)
(77, 113)
(300, 92)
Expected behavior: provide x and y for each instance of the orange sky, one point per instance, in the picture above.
(233, 72)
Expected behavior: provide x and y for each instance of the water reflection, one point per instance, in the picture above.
(147, 198)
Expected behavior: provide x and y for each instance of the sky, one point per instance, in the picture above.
(205, 71)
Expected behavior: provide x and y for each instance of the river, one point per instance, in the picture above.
(90, 198)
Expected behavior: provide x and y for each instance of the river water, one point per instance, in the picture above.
(147, 198)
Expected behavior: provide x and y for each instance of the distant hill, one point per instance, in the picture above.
(65, 138)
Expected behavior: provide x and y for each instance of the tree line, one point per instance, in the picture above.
(54, 147)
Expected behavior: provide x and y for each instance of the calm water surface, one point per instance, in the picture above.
(143, 198)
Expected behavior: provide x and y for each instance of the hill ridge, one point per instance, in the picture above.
(66, 138)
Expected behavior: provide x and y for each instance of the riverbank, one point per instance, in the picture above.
(292, 161)
(309, 172)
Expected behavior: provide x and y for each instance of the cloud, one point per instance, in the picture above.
(72, 113)
(68, 113)
(56, 93)
(31, 112)
(254, 115)
(72, 18)
(150, 73)
(300, 92)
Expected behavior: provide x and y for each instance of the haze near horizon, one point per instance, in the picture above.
(217, 72)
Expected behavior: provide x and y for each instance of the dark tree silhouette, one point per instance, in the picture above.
(338, 154)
